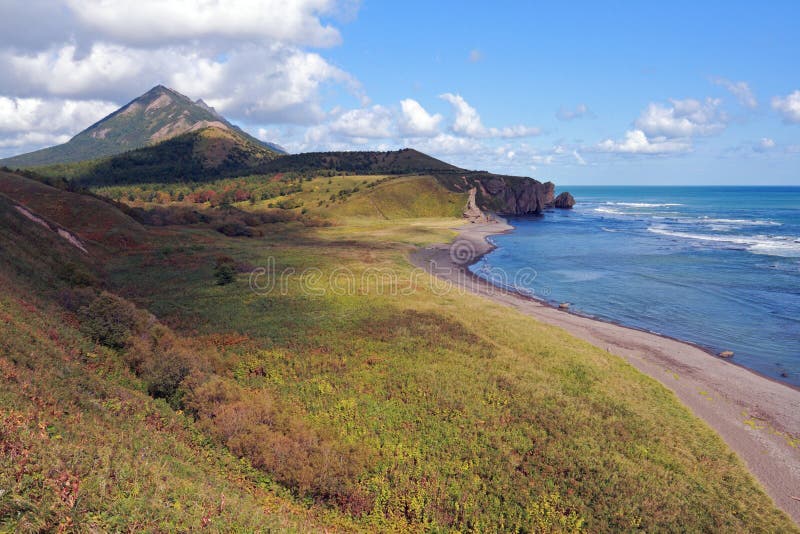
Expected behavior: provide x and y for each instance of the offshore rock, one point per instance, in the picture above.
(564, 201)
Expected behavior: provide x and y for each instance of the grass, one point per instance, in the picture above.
(476, 417)
(365, 397)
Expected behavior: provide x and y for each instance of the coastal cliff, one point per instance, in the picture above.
(505, 195)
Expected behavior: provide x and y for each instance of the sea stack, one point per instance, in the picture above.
(564, 201)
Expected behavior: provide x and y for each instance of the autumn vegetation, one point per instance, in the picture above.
(141, 393)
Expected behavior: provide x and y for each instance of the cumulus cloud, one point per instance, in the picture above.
(275, 83)
(683, 118)
(468, 122)
(28, 140)
(372, 123)
(156, 21)
(59, 116)
(355, 126)
(788, 106)
(637, 142)
(248, 58)
(741, 90)
(447, 144)
(416, 121)
(34, 122)
(580, 111)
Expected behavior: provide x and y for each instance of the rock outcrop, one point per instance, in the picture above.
(564, 201)
(505, 195)
(472, 212)
(520, 196)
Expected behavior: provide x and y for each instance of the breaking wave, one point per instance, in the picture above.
(786, 246)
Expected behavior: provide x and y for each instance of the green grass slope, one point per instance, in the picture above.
(337, 388)
(468, 416)
(83, 447)
(157, 115)
(402, 198)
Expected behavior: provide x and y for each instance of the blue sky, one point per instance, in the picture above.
(579, 93)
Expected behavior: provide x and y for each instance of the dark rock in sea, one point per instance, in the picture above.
(564, 201)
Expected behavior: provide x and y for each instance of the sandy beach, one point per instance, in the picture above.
(759, 418)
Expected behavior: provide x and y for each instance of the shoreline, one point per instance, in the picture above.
(756, 415)
(550, 304)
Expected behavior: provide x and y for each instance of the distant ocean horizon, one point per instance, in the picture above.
(718, 266)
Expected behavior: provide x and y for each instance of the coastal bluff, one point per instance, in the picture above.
(506, 195)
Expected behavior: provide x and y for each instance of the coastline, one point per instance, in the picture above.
(757, 416)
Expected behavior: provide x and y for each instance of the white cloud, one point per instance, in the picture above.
(580, 111)
(468, 122)
(578, 158)
(54, 116)
(637, 142)
(788, 106)
(60, 71)
(242, 56)
(683, 118)
(276, 83)
(370, 123)
(415, 121)
(764, 145)
(29, 123)
(741, 90)
(348, 127)
(31, 139)
(157, 21)
(446, 144)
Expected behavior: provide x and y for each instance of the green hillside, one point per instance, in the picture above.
(157, 115)
(169, 386)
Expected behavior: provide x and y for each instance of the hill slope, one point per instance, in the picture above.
(358, 395)
(157, 115)
(207, 153)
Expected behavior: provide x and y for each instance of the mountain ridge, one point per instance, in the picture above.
(157, 115)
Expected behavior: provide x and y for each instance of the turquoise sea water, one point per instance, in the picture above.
(717, 266)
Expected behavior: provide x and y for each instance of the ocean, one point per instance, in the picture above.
(716, 266)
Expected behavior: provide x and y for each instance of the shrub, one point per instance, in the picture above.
(164, 373)
(224, 271)
(109, 320)
(76, 275)
(277, 439)
(74, 299)
(236, 229)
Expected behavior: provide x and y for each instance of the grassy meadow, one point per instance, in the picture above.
(338, 386)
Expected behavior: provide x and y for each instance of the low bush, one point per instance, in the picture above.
(109, 320)
(224, 271)
(236, 230)
(275, 437)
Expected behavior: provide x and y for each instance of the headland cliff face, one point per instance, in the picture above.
(505, 195)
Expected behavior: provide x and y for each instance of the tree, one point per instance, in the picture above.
(224, 272)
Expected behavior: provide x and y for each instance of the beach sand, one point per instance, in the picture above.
(759, 418)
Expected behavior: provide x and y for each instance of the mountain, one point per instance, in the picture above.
(158, 115)
(207, 153)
